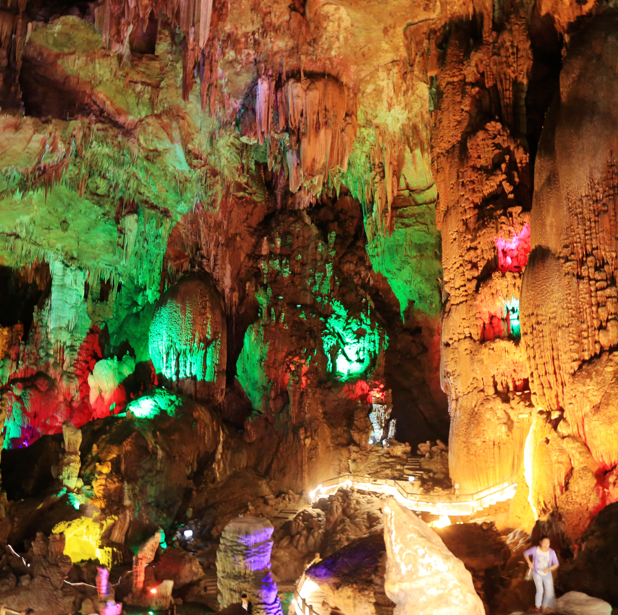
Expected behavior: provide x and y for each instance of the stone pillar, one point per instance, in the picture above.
(481, 168)
(145, 555)
(243, 565)
(569, 304)
(68, 472)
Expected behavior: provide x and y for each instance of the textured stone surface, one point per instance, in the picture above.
(422, 575)
(481, 167)
(243, 565)
(569, 314)
(576, 603)
(352, 578)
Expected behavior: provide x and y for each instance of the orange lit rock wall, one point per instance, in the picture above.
(569, 296)
(481, 163)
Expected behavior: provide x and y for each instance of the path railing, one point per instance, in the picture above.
(406, 493)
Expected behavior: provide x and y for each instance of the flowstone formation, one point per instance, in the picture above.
(188, 337)
(569, 301)
(422, 575)
(243, 565)
(482, 170)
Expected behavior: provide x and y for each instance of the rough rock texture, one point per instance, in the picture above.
(243, 565)
(591, 571)
(353, 577)
(576, 603)
(188, 337)
(326, 528)
(237, 238)
(422, 575)
(69, 466)
(569, 314)
(482, 173)
(179, 566)
(41, 580)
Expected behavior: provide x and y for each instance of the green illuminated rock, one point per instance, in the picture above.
(154, 403)
(352, 345)
(188, 334)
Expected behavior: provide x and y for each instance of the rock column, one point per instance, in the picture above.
(71, 463)
(243, 565)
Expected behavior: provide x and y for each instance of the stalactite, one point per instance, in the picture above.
(319, 116)
(115, 19)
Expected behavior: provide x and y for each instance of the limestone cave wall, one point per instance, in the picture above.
(231, 230)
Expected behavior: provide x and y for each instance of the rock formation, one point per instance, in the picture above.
(568, 314)
(576, 603)
(247, 247)
(68, 469)
(243, 565)
(422, 575)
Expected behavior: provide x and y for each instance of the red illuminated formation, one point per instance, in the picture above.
(513, 253)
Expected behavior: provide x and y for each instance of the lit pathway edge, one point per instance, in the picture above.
(403, 492)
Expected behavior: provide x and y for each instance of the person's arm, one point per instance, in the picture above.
(527, 557)
(553, 561)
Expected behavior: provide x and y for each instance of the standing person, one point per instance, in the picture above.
(246, 604)
(542, 561)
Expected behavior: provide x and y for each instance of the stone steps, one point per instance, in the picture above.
(210, 582)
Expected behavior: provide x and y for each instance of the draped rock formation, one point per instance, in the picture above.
(570, 297)
(482, 174)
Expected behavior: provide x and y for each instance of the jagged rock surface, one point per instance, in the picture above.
(422, 575)
(243, 565)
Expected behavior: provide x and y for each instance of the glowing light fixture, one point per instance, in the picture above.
(443, 521)
(511, 309)
(188, 533)
(153, 591)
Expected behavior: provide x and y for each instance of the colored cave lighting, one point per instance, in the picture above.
(175, 348)
(351, 343)
(511, 309)
(154, 403)
(513, 253)
(73, 498)
(83, 539)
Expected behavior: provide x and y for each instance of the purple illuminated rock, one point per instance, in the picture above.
(243, 565)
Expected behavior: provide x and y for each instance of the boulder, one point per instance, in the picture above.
(178, 566)
(577, 603)
(422, 576)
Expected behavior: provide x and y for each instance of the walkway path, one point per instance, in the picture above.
(407, 494)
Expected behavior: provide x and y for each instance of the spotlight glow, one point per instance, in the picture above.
(188, 533)
(443, 521)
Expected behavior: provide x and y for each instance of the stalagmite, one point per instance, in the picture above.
(144, 556)
(422, 576)
(243, 565)
(68, 470)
